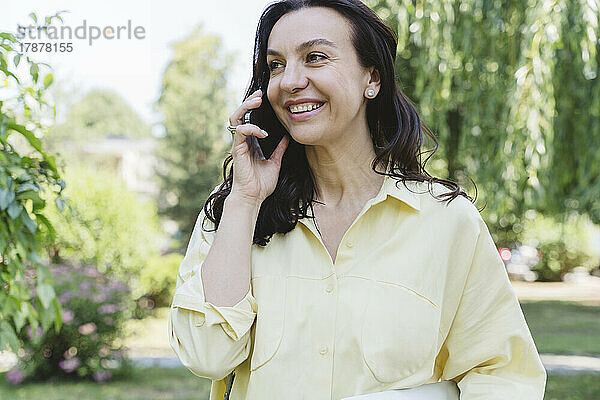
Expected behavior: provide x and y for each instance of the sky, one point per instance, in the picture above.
(134, 67)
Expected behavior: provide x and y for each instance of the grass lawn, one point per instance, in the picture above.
(573, 387)
(149, 337)
(178, 383)
(147, 383)
(564, 327)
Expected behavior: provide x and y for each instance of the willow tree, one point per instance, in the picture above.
(573, 178)
(510, 90)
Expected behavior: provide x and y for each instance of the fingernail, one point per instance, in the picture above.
(264, 132)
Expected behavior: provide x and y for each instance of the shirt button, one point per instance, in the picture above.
(349, 243)
(329, 289)
(324, 350)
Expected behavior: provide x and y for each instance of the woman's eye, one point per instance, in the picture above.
(273, 65)
(313, 57)
(316, 57)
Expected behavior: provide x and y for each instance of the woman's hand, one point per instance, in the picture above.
(254, 177)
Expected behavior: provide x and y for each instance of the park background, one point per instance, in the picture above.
(109, 152)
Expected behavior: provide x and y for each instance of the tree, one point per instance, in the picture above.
(193, 102)
(26, 169)
(98, 114)
(508, 112)
(573, 177)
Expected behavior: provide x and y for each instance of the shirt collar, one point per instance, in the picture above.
(395, 188)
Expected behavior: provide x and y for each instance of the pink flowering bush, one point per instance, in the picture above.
(95, 308)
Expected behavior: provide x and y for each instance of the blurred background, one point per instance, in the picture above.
(109, 147)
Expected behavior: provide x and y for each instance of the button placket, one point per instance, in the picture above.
(329, 289)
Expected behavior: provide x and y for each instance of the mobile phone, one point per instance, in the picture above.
(259, 117)
(255, 145)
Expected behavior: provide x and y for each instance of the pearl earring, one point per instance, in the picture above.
(370, 93)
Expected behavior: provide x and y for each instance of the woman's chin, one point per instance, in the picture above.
(306, 135)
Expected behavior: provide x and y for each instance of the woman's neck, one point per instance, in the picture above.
(343, 175)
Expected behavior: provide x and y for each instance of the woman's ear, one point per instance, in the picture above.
(374, 79)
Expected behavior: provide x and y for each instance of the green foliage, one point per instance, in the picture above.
(26, 171)
(96, 308)
(512, 92)
(193, 102)
(106, 225)
(98, 114)
(573, 178)
(564, 244)
(159, 278)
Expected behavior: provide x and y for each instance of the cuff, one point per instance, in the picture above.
(235, 320)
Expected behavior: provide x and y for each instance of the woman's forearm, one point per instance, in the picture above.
(226, 270)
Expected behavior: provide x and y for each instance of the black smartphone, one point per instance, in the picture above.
(255, 145)
(263, 117)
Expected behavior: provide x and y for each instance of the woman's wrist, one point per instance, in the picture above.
(242, 201)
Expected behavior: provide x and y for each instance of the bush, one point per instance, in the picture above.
(159, 278)
(108, 226)
(95, 308)
(564, 246)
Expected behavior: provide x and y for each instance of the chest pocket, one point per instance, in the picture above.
(270, 294)
(399, 332)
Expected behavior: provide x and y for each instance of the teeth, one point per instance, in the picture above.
(304, 107)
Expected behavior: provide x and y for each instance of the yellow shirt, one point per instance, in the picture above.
(417, 294)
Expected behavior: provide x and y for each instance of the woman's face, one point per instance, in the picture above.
(312, 60)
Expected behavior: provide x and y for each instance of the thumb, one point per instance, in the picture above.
(277, 154)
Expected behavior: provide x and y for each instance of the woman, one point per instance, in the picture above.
(382, 285)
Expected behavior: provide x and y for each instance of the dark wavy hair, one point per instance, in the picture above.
(394, 125)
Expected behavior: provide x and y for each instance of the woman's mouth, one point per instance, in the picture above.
(301, 112)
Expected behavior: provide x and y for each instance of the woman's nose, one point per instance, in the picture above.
(293, 79)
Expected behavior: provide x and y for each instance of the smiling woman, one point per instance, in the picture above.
(381, 286)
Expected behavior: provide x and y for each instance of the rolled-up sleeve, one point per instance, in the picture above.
(489, 350)
(209, 340)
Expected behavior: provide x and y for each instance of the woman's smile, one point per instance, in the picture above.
(300, 112)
